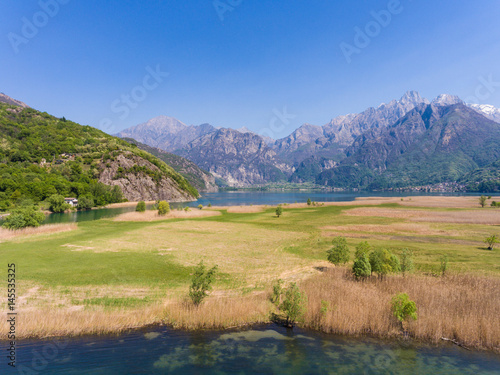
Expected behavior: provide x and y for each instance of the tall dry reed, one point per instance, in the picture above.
(6, 234)
(460, 307)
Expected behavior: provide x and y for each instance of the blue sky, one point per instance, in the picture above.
(242, 64)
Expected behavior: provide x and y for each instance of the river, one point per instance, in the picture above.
(268, 349)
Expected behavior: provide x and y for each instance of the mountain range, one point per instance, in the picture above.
(375, 148)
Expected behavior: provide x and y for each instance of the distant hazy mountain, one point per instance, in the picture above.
(266, 139)
(166, 133)
(238, 158)
(8, 100)
(430, 144)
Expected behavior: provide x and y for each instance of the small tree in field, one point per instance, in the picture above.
(141, 206)
(339, 253)
(309, 201)
(163, 208)
(403, 308)
(384, 262)
(444, 265)
(201, 283)
(293, 305)
(482, 201)
(491, 241)
(406, 261)
(200, 206)
(279, 211)
(362, 268)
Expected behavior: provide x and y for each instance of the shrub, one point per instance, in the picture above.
(200, 206)
(362, 268)
(186, 209)
(293, 305)
(85, 202)
(209, 205)
(163, 208)
(309, 201)
(22, 218)
(141, 206)
(339, 253)
(491, 241)
(406, 261)
(57, 203)
(494, 204)
(201, 283)
(403, 308)
(279, 211)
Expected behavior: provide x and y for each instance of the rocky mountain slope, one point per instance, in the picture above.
(240, 159)
(430, 144)
(202, 180)
(8, 100)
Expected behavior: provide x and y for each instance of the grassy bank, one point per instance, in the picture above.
(111, 275)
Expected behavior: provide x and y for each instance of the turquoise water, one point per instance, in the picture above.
(263, 350)
(233, 198)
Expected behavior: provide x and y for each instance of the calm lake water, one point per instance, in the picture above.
(237, 198)
(263, 350)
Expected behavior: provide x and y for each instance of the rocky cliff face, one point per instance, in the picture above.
(202, 180)
(140, 179)
(240, 159)
(8, 100)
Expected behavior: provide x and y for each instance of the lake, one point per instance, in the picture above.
(267, 349)
(237, 198)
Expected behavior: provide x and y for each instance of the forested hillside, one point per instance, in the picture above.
(41, 155)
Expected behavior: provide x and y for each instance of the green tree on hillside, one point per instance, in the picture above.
(279, 211)
(85, 202)
(24, 217)
(57, 203)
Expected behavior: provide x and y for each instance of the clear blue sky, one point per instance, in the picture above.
(236, 68)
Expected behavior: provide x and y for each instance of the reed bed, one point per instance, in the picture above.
(219, 312)
(460, 307)
(6, 234)
(174, 214)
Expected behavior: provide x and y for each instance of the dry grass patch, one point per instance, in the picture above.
(174, 214)
(395, 228)
(488, 217)
(7, 234)
(460, 307)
